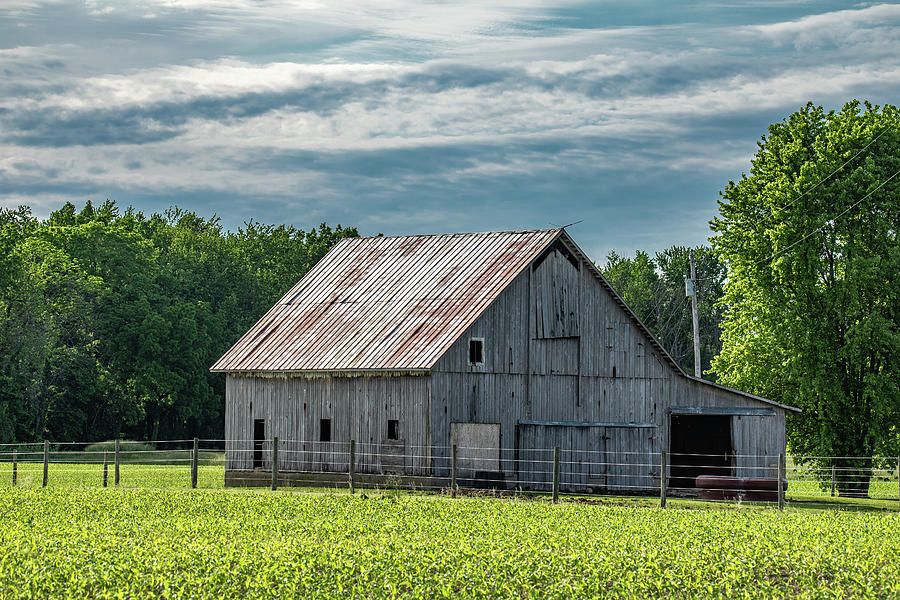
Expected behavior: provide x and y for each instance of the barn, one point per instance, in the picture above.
(505, 344)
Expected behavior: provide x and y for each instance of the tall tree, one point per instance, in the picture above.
(15, 349)
(813, 302)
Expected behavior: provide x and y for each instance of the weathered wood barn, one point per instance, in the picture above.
(504, 343)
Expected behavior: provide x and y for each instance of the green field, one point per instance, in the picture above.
(127, 543)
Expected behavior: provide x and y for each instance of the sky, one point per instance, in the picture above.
(402, 117)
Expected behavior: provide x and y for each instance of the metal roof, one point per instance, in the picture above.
(385, 303)
(397, 304)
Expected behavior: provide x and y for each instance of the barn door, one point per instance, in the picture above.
(629, 459)
(699, 445)
(477, 447)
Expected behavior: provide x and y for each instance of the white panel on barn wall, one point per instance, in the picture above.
(478, 446)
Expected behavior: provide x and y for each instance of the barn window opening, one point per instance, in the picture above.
(393, 429)
(476, 351)
(259, 437)
(324, 430)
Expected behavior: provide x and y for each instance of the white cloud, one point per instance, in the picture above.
(870, 26)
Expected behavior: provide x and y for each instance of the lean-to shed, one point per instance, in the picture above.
(504, 343)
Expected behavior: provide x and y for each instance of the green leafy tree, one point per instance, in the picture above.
(15, 351)
(109, 321)
(813, 302)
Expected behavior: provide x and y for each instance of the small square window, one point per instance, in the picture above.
(476, 351)
(393, 429)
(324, 430)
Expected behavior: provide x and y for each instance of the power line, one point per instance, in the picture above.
(835, 218)
(827, 177)
(816, 185)
(820, 228)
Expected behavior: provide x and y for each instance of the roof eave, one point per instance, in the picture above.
(719, 386)
(347, 372)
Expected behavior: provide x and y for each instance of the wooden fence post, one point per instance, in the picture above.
(15, 466)
(663, 478)
(116, 459)
(781, 475)
(274, 463)
(832, 479)
(46, 461)
(105, 469)
(195, 454)
(453, 471)
(555, 474)
(351, 471)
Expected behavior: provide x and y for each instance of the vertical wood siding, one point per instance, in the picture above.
(555, 290)
(359, 409)
(541, 365)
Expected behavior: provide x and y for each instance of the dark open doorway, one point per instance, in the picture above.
(700, 445)
(259, 436)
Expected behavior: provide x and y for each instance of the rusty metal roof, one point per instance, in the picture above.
(385, 303)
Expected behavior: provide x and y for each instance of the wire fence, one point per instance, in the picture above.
(395, 465)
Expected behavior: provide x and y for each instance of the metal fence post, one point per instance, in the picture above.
(116, 459)
(15, 466)
(453, 471)
(274, 463)
(105, 469)
(352, 467)
(555, 474)
(46, 461)
(781, 475)
(663, 478)
(195, 455)
(898, 476)
(832, 479)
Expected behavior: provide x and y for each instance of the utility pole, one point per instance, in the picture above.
(691, 290)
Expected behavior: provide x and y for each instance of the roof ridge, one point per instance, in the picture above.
(459, 233)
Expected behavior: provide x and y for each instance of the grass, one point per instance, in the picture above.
(171, 470)
(803, 483)
(176, 543)
(82, 475)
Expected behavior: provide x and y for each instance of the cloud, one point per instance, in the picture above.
(403, 116)
(871, 27)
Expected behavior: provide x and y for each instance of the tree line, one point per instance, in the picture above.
(111, 318)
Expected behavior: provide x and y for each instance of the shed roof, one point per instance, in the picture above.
(385, 303)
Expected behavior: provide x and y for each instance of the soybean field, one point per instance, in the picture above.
(174, 543)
